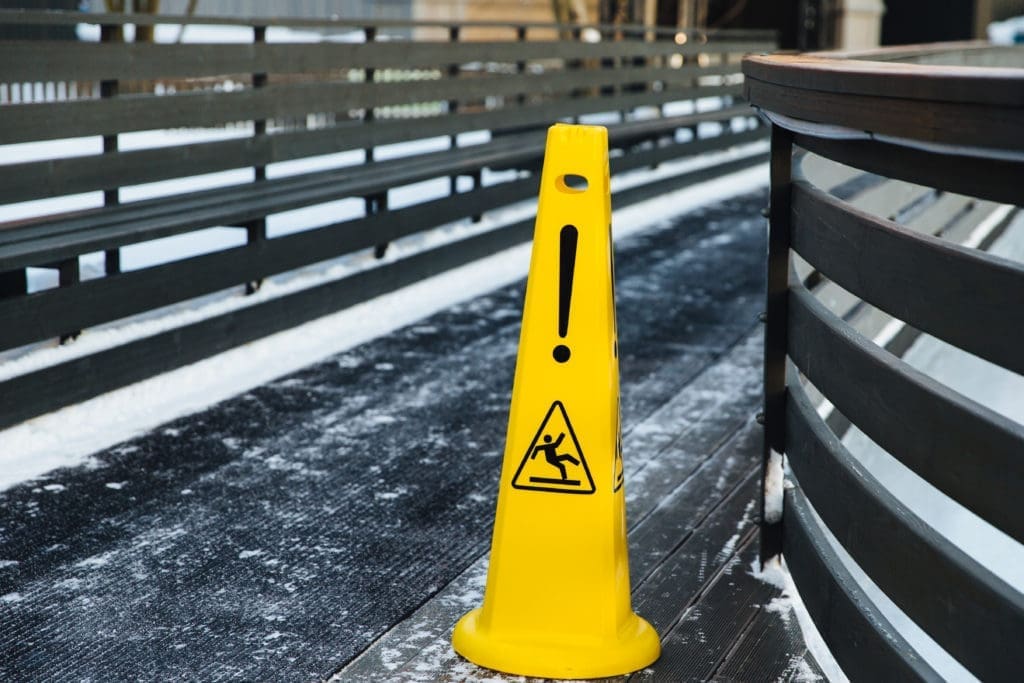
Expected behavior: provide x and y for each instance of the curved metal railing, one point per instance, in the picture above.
(957, 129)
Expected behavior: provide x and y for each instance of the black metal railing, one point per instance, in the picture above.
(957, 129)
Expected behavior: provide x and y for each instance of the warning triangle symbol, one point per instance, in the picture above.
(554, 461)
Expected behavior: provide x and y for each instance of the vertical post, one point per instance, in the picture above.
(68, 274)
(369, 34)
(111, 196)
(256, 229)
(521, 65)
(453, 105)
(13, 283)
(607, 63)
(375, 203)
(775, 342)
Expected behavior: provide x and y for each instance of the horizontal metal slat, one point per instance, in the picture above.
(128, 113)
(51, 312)
(863, 641)
(56, 177)
(54, 61)
(152, 219)
(964, 449)
(999, 180)
(966, 608)
(964, 296)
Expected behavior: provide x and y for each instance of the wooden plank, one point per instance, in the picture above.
(55, 177)
(691, 557)
(699, 642)
(995, 88)
(966, 608)
(35, 61)
(770, 651)
(927, 426)
(996, 179)
(928, 220)
(127, 113)
(713, 493)
(865, 644)
(973, 123)
(968, 298)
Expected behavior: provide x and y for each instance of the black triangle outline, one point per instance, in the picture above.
(579, 449)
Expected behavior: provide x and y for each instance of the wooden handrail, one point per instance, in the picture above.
(101, 18)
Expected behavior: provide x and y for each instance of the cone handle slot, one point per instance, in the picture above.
(572, 183)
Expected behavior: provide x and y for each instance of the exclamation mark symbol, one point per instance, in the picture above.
(568, 238)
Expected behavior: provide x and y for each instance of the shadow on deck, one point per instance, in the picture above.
(336, 521)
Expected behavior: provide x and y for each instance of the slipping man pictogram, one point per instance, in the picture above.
(563, 453)
(551, 454)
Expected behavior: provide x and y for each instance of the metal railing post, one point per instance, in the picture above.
(775, 342)
(256, 230)
(521, 65)
(375, 203)
(453, 106)
(111, 196)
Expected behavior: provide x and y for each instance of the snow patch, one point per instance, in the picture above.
(391, 495)
(95, 561)
(804, 673)
(55, 488)
(782, 606)
(4, 564)
(773, 489)
(246, 554)
(789, 603)
(11, 597)
(115, 485)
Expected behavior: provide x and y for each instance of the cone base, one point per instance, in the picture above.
(634, 647)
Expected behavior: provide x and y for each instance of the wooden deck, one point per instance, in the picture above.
(335, 523)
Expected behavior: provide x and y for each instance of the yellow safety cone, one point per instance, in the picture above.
(557, 603)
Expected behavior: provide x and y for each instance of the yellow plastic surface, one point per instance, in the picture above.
(557, 603)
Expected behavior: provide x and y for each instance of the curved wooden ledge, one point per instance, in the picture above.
(950, 105)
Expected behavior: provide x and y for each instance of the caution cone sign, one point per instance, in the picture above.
(557, 602)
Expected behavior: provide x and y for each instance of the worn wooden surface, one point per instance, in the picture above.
(336, 521)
